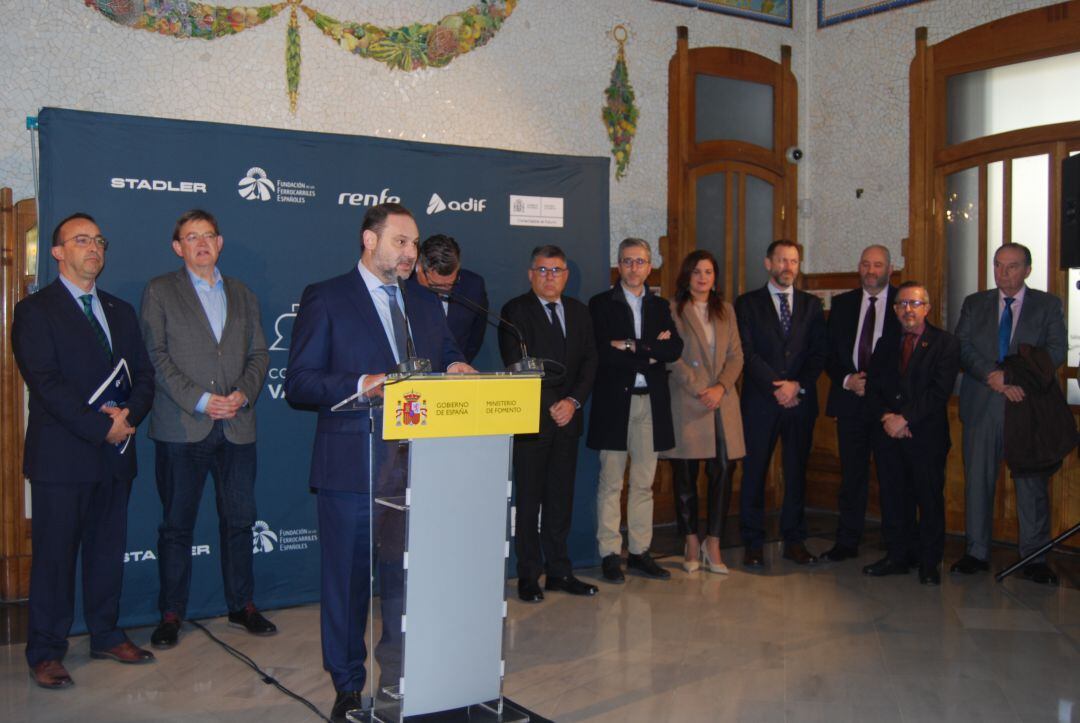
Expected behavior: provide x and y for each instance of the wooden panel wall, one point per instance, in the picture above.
(15, 221)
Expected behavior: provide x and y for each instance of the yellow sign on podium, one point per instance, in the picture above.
(461, 405)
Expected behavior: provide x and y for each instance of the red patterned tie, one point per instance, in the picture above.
(906, 351)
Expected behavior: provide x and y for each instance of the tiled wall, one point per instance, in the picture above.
(537, 86)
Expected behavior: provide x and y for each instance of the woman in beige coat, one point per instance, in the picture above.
(704, 405)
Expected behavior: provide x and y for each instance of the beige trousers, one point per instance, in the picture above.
(639, 500)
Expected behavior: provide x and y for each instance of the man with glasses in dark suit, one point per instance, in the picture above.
(558, 329)
(68, 339)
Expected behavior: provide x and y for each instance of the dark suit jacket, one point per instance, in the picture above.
(1041, 324)
(921, 395)
(843, 328)
(189, 361)
(63, 365)
(468, 326)
(337, 337)
(769, 356)
(612, 319)
(577, 353)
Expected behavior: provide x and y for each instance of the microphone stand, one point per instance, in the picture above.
(413, 364)
(526, 363)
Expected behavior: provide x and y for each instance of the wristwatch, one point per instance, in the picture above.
(627, 344)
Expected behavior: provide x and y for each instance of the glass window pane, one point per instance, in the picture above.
(962, 239)
(1030, 213)
(1010, 97)
(726, 109)
(995, 213)
(759, 229)
(711, 216)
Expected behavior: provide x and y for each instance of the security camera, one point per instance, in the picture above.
(794, 154)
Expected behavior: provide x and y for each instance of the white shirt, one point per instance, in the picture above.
(636, 303)
(558, 310)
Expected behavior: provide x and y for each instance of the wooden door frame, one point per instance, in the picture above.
(685, 155)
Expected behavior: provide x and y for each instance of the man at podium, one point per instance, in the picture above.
(351, 331)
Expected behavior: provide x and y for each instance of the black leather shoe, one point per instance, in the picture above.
(929, 575)
(753, 558)
(570, 584)
(252, 620)
(529, 591)
(347, 700)
(167, 633)
(839, 553)
(1040, 572)
(968, 565)
(611, 568)
(647, 566)
(797, 553)
(884, 567)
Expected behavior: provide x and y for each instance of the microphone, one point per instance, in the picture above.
(526, 363)
(413, 364)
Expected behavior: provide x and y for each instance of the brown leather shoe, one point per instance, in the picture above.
(51, 674)
(126, 652)
(797, 553)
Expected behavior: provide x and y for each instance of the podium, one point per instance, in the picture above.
(440, 475)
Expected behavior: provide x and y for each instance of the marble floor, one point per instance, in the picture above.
(788, 644)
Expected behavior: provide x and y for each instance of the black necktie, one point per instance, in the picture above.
(555, 323)
(866, 336)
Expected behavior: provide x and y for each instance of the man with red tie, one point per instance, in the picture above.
(909, 390)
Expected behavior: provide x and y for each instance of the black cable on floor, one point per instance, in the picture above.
(266, 677)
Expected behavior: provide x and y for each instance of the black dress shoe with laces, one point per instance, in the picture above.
(611, 568)
(529, 591)
(1040, 572)
(570, 584)
(167, 633)
(968, 565)
(347, 700)
(884, 567)
(753, 558)
(929, 575)
(839, 553)
(645, 565)
(250, 619)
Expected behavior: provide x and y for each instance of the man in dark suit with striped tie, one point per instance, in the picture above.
(67, 339)
(784, 347)
(558, 329)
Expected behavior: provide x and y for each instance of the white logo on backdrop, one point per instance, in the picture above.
(263, 538)
(256, 186)
(470, 205)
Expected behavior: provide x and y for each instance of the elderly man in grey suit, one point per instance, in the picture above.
(206, 342)
(992, 326)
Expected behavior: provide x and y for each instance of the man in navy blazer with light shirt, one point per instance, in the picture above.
(67, 339)
(344, 343)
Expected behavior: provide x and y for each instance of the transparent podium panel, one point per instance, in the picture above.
(438, 549)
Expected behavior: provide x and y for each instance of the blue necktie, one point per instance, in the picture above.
(1005, 329)
(88, 309)
(785, 314)
(397, 320)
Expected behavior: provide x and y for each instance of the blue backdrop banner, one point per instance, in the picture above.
(289, 205)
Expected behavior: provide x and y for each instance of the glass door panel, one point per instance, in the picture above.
(962, 239)
(1031, 214)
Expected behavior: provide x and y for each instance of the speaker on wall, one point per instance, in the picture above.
(1070, 212)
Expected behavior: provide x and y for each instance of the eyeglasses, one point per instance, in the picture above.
(911, 303)
(555, 271)
(206, 236)
(633, 263)
(83, 241)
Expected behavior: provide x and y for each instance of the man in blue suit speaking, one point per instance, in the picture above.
(349, 333)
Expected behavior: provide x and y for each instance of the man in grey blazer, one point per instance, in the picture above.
(205, 339)
(992, 325)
